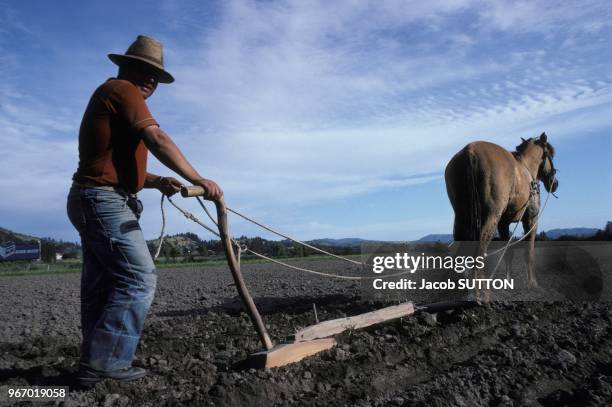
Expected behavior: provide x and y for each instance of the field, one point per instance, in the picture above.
(505, 354)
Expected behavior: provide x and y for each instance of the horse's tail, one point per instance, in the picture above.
(473, 207)
(463, 184)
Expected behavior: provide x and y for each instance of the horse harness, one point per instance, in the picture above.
(534, 184)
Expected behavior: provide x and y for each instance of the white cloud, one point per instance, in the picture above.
(37, 158)
(289, 96)
(288, 104)
(546, 16)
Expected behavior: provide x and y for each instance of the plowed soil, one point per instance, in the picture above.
(197, 335)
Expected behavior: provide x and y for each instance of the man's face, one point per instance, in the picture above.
(142, 76)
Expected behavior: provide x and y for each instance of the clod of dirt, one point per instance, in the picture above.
(339, 354)
(504, 401)
(564, 359)
(428, 319)
(115, 399)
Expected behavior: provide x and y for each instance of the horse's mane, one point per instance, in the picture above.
(544, 144)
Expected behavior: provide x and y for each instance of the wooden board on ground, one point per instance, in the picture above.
(335, 326)
(287, 353)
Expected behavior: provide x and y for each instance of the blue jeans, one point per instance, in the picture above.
(118, 277)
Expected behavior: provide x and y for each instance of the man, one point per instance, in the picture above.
(118, 278)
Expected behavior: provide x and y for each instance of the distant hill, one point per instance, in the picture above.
(437, 238)
(185, 241)
(183, 244)
(551, 234)
(578, 232)
(10, 236)
(345, 242)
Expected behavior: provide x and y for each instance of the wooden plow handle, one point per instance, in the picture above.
(233, 264)
(195, 190)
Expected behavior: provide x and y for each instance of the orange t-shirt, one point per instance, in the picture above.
(111, 149)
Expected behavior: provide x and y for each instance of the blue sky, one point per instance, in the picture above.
(323, 119)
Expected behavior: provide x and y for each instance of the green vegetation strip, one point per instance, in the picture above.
(34, 269)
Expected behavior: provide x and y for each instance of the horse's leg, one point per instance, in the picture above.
(528, 224)
(503, 228)
(486, 235)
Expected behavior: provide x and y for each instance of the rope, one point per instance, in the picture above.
(532, 227)
(268, 229)
(278, 233)
(288, 237)
(510, 243)
(161, 234)
(507, 244)
(190, 216)
(206, 210)
(320, 273)
(242, 249)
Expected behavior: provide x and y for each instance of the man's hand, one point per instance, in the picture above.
(168, 185)
(212, 191)
(162, 147)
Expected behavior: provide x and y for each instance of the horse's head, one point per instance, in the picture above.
(546, 171)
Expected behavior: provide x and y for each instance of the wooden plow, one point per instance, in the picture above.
(308, 341)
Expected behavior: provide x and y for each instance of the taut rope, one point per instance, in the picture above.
(535, 223)
(161, 234)
(242, 248)
(276, 233)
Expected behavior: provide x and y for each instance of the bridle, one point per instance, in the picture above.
(553, 171)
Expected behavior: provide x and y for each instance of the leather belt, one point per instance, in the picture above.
(112, 188)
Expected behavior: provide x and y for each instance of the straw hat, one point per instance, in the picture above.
(148, 50)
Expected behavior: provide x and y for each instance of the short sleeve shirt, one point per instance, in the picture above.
(111, 149)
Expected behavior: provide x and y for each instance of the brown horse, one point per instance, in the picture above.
(490, 187)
